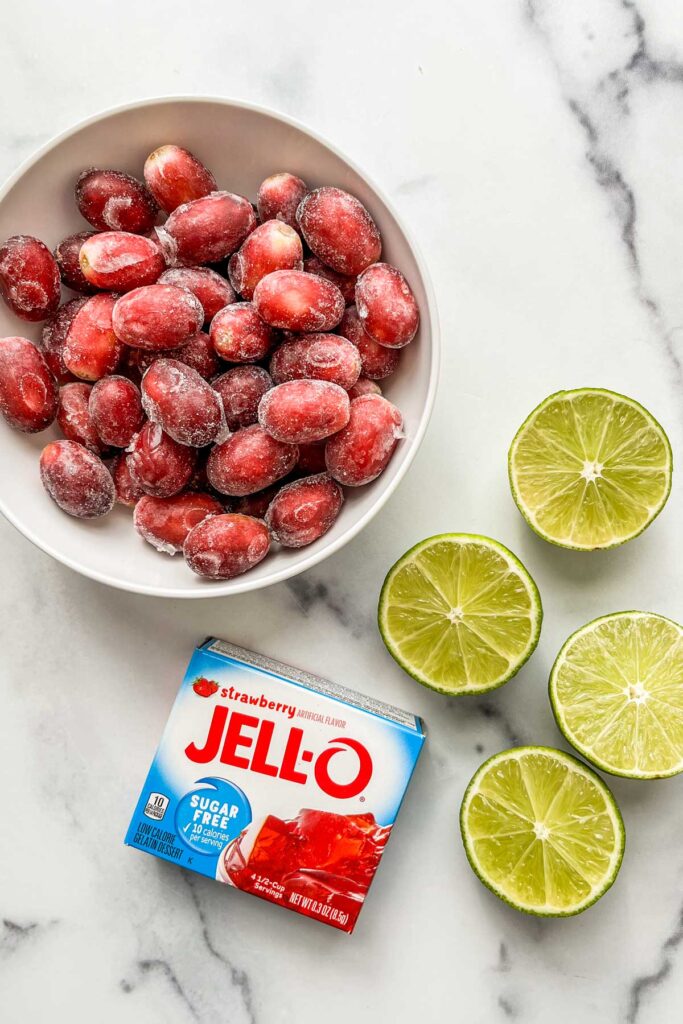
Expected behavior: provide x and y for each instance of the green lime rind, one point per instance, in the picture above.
(611, 807)
(614, 396)
(413, 670)
(586, 751)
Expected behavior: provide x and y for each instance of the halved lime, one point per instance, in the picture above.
(590, 469)
(617, 693)
(460, 613)
(542, 831)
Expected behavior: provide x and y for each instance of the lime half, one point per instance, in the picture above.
(590, 469)
(460, 613)
(617, 693)
(542, 831)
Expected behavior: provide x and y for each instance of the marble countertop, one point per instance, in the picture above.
(535, 148)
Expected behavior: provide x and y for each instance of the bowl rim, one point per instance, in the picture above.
(243, 584)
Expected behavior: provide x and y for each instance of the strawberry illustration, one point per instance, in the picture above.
(204, 687)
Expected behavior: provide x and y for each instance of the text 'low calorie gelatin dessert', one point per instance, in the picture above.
(277, 782)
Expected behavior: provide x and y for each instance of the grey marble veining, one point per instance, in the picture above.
(535, 148)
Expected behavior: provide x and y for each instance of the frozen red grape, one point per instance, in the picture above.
(199, 354)
(249, 461)
(297, 301)
(377, 361)
(128, 492)
(175, 176)
(364, 386)
(221, 547)
(185, 405)
(271, 246)
(386, 306)
(239, 335)
(279, 197)
(339, 230)
(28, 393)
(345, 284)
(255, 504)
(362, 450)
(165, 522)
(119, 261)
(207, 230)
(114, 201)
(302, 411)
(212, 290)
(312, 457)
(158, 464)
(304, 510)
(158, 316)
(29, 278)
(91, 348)
(116, 410)
(74, 419)
(319, 356)
(241, 389)
(67, 255)
(76, 479)
(53, 337)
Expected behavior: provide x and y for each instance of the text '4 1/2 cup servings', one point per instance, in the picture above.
(277, 782)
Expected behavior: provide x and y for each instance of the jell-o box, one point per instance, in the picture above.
(277, 782)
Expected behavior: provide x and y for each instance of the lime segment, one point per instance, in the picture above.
(460, 613)
(590, 469)
(617, 693)
(542, 831)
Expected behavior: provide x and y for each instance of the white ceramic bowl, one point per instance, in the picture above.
(241, 144)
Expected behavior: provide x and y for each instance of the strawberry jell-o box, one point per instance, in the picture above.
(277, 782)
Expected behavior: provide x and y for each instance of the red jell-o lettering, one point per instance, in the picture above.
(239, 335)
(67, 255)
(158, 464)
(28, 394)
(318, 356)
(119, 261)
(222, 547)
(296, 301)
(212, 290)
(279, 197)
(362, 450)
(271, 246)
(29, 278)
(386, 306)
(207, 230)
(128, 492)
(304, 510)
(76, 479)
(249, 461)
(91, 348)
(74, 419)
(175, 176)
(345, 284)
(339, 230)
(158, 316)
(116, 410)
(241, 389)
(165, 522)
(53, 337)
(114, 201)
(302, 411)
(377, 361)
(182, 403)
